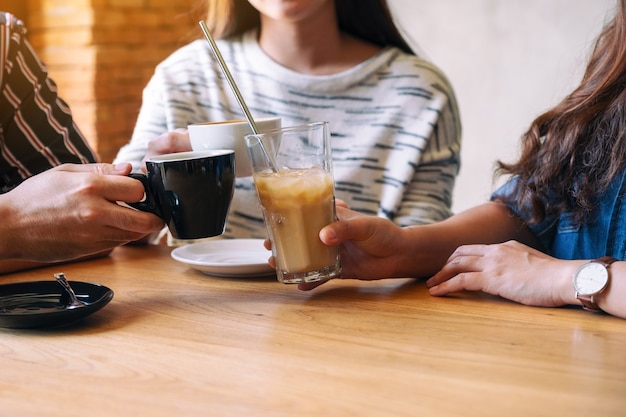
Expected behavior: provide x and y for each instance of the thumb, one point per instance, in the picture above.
(357, 227)
(349, 226)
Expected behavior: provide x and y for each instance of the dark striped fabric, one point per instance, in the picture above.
(394, 121)
(37, 131)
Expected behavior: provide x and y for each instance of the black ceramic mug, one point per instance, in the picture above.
(190, 191)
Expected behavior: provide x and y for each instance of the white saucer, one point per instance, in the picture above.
(226, 257)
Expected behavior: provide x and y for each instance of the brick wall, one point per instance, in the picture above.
(101, 54)
(17, 7)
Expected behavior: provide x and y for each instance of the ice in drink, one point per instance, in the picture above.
(297, 204)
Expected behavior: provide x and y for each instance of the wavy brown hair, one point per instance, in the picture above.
(369, 20)
(571, 153)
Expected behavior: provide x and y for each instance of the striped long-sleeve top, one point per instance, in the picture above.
(394, 121)
(37, 131)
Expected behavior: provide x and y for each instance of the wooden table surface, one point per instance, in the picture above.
(176, 342)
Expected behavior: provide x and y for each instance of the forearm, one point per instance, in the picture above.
(429, 246)
(9, 228)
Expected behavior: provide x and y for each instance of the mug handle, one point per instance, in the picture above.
(148, 203)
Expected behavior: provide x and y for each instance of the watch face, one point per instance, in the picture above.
(590, 278)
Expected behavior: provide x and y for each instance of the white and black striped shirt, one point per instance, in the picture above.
(37, 131)
(394, 121)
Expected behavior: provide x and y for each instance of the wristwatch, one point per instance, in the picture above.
(590, 280)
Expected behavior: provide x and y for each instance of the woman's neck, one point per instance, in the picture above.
(315, 46)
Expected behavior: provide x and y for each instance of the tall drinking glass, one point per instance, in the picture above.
(298, 200)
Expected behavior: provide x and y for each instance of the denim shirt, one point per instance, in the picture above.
(603, 234)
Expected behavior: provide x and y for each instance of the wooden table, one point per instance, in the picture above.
(176, 342)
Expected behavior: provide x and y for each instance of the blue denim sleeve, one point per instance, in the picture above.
(545, 230)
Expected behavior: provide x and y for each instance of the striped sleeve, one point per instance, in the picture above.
(37, 131)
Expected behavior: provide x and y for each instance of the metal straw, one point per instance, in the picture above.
(233, 86)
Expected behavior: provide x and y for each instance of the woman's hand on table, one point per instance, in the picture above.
(511, 270)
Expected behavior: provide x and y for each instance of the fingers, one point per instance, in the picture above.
(110, 183)
(126, 189)
(464, 281)
(170, 142)
(137, 222)
(464, 259)
(472, 268)
(121, 223)
(97, 168)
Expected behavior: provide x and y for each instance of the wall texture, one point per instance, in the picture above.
(509, 60)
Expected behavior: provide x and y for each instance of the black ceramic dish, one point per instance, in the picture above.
(45, 303)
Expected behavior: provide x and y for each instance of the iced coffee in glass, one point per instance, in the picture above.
(292, 171)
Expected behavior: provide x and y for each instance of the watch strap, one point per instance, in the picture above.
(588, 302)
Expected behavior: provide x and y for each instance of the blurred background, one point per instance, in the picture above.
(508, 60)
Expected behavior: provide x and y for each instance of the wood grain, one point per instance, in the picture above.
(176, 342)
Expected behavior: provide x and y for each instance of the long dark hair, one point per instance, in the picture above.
(369, 20)
(571, 153)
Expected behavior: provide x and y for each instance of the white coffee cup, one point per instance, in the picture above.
(229, 134)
